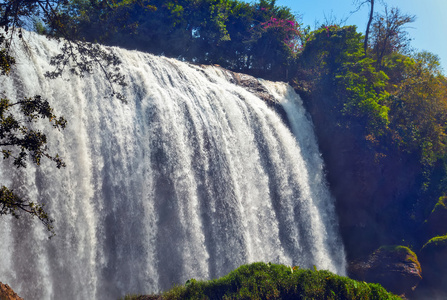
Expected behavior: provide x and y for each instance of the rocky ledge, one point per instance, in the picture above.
(6, 293)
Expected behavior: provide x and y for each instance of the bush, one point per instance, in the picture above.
(272, 281)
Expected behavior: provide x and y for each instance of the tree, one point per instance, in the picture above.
(335, 56)
(370, 19)
(389, 34)
(418, 105)
(253, 38)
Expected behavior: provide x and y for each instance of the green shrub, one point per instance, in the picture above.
(272, 281)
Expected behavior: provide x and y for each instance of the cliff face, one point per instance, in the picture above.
(371, 187)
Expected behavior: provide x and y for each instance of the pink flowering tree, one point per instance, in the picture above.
(287, 31)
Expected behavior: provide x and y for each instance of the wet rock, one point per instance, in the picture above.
(396, 268)
(6, 293)
(254, 86)
(436, 224)
(433, 258)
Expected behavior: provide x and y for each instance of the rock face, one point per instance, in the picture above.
(253, 85)
(372, 186)
(6, 293)
(396, 268)
(436, 223)
(433, 257)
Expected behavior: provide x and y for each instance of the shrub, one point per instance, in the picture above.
(272, 281)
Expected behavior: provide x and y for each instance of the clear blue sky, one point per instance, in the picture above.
(429, 31)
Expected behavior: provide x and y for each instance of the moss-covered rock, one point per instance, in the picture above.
(271, 281)
(436, 223)
(394, 267)
(433, 258)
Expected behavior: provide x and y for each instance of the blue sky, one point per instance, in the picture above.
(429, 31)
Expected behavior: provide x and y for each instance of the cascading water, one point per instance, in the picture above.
(193, 177)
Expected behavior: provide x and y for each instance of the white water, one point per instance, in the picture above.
(192, 178)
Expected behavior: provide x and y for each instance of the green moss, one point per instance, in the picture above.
(441, 205)
(271, 281)
(402, 252)
(436, 242)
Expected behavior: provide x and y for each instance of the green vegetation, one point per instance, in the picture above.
(436, 242)
(20, 143)
(441, 205)
(259, 38)
(272, 281)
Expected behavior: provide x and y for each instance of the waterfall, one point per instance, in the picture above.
(191, 178)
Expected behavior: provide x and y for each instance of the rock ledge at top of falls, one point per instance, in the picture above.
(254, 86)
(6, 293)
(250, 83)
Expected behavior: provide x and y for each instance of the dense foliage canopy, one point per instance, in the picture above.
(260, 37)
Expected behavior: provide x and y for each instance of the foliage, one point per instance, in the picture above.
(272, 281)
(419, 106)
(441, 205)
(19, 141)
(335, 57)
(402, 98)
(260, 37)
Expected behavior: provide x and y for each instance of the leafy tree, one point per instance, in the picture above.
(252, 38)
(335, 58)
(418, 105)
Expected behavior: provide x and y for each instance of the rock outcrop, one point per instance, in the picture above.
(6, 293)
(373, 186)
(254, 86)
(436, 224)
(396, 268)
(433, 258)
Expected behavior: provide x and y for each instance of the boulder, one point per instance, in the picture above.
(6, 293)
(396, 268)
(433, 258)
(436, 224)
